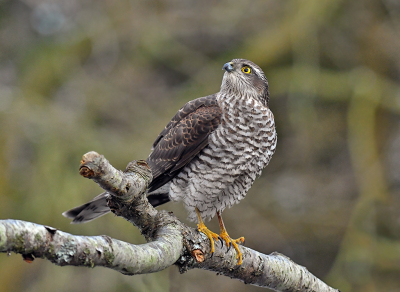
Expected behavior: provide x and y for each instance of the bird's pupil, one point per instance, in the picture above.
(246, 70)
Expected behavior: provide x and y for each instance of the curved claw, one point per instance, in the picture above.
(220, 239)
(229, 246)
(229, 241)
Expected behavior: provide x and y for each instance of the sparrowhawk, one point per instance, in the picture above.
(210, 153)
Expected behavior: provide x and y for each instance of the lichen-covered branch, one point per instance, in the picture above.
(169, 240)
(61, 248)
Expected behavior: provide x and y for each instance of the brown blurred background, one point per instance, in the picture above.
(77, 76)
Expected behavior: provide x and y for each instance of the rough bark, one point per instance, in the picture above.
(169, 240)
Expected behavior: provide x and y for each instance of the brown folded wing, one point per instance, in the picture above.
(183, 138)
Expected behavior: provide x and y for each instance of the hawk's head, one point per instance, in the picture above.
(244, 78)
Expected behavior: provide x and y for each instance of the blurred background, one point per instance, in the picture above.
(107, 76)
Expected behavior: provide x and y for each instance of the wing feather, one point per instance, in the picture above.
(183, 138)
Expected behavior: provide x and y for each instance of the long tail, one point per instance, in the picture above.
(98, 207)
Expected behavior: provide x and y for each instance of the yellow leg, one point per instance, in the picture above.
(202, 228)
(229, 241)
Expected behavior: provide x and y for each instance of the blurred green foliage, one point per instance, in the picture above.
(108, 75)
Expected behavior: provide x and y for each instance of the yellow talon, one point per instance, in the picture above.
(223, 236)
(234, 242)
(229, 241)
(202, 228)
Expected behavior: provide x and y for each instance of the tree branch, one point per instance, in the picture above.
(61, 248)
(169, 240)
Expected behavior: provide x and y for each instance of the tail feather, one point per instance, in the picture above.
(89, 211)
(158, 199)
(98, 207)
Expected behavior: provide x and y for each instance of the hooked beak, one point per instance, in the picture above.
(228, 67)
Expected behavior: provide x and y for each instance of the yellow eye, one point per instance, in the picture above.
(246, 69)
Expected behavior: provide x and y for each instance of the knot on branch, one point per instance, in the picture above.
(90, 165)
(125, 185)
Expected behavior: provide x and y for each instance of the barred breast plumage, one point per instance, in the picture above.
(238, 150)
